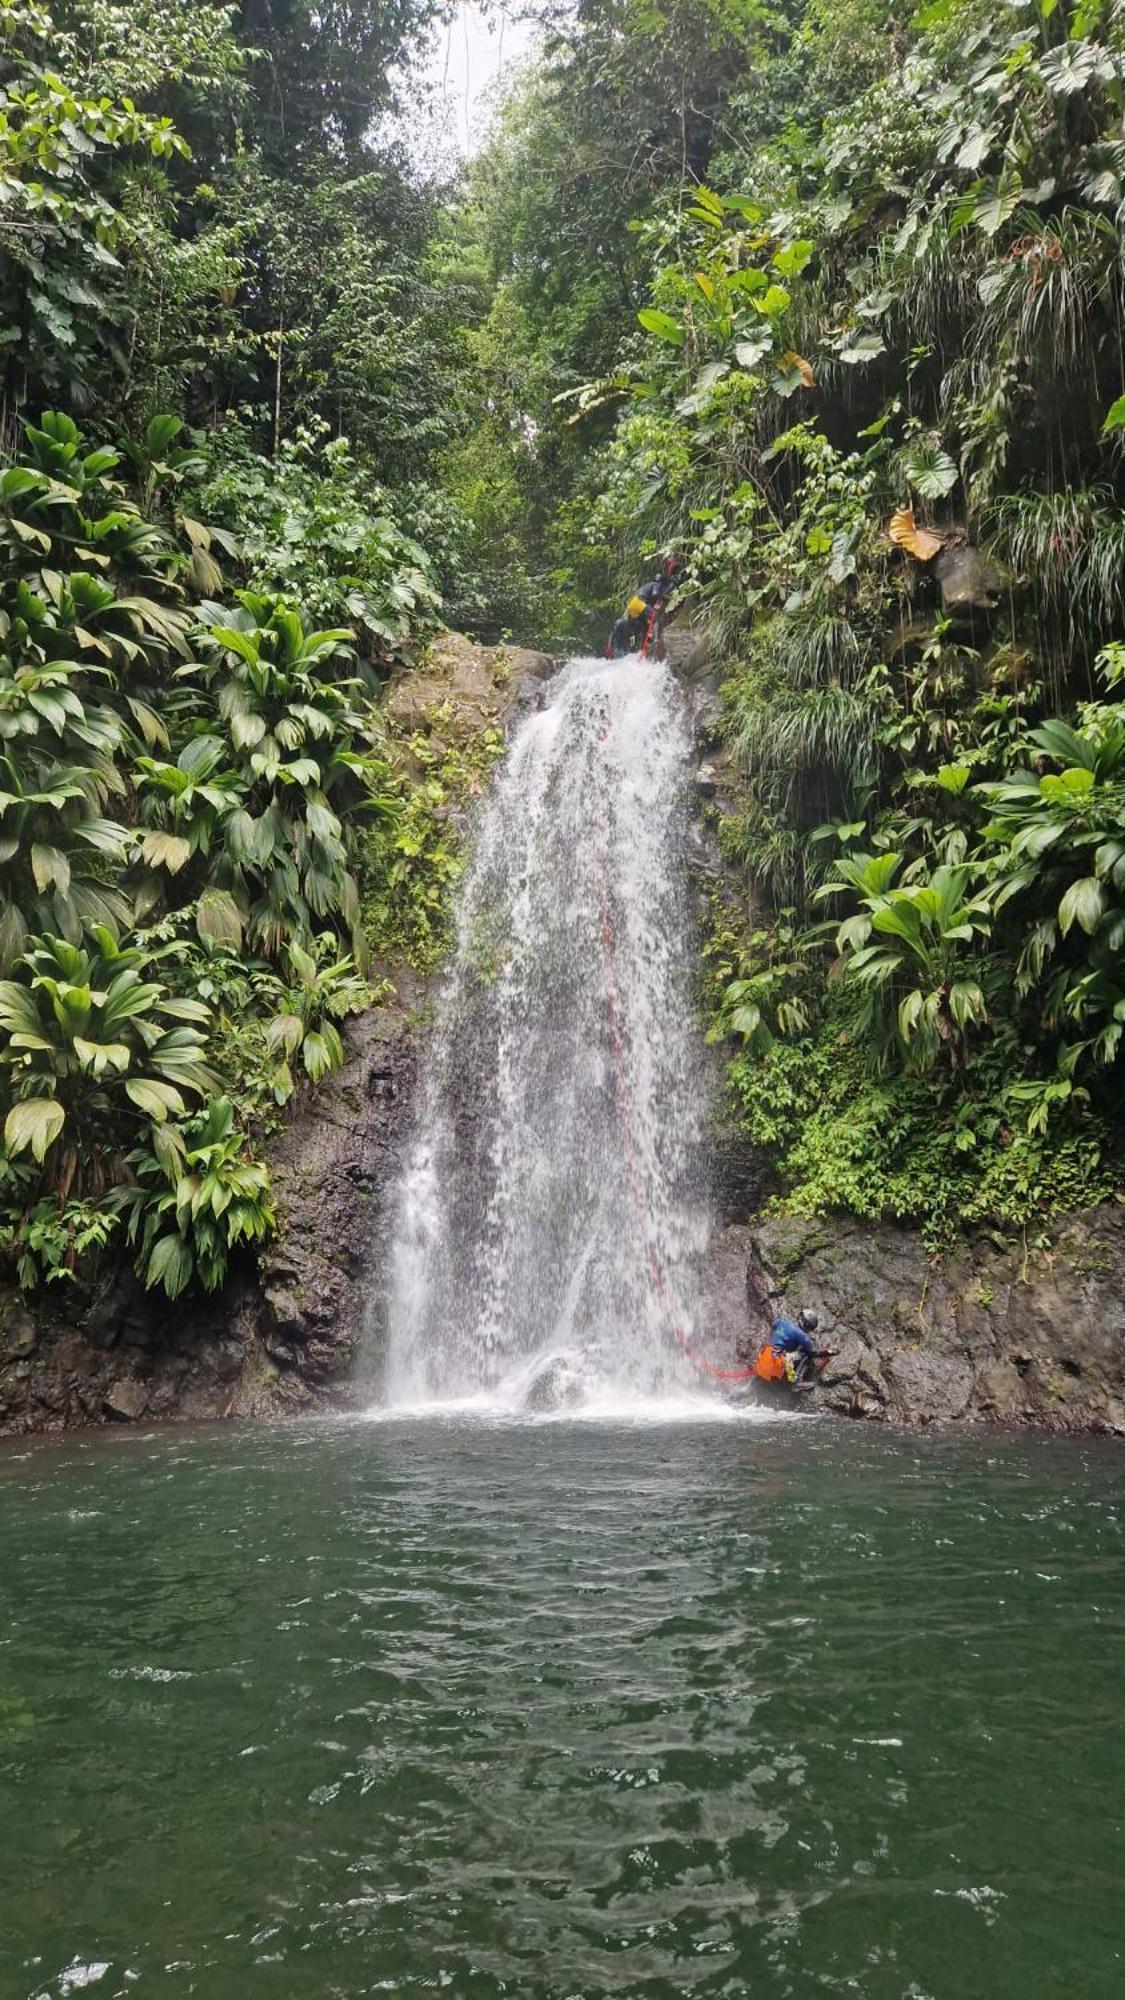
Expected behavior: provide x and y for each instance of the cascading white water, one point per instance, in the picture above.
(549, 1218)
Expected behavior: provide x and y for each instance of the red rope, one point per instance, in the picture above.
(659, 1281)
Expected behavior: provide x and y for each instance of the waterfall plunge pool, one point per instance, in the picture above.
(563, 1709)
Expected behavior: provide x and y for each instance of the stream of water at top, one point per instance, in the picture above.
(551, 1214)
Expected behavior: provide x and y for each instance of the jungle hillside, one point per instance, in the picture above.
(827, 300)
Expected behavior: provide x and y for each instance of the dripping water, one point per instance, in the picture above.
(550, 1220)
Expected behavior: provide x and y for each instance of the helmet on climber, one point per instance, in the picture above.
(641, 625)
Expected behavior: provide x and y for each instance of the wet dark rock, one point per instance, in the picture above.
(687, 648)
(990, 1331)
(283, 1336)
(736, 1175)
(19, 1333)
(127, 1398)
(968, 580)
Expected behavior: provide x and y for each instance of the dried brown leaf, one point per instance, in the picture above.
(905, 532)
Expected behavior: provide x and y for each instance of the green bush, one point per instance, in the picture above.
(184, 785)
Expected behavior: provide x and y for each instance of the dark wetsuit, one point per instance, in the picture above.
(629, 632)
(789, 1339)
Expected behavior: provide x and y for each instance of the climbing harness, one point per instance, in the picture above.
(656, 1272)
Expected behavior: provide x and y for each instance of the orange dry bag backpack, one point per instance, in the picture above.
(770, 1365)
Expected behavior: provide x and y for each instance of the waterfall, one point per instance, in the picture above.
(549, 1219)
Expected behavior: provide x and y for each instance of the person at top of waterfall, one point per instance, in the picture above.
(790, 1354)
(642, 620)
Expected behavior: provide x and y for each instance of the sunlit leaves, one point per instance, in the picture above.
(1083, 904)
(1074, 66)
(662, 325)
(34, 1124)
(748, 353)
(772, 302)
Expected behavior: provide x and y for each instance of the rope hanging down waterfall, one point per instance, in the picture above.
(656, 1271)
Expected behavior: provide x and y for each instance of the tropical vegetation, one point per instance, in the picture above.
(830, 300)
(201, 591)
(858, 356)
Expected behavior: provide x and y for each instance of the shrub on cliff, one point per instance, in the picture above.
(185, 784)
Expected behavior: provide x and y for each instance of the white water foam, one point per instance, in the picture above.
(550, 1220)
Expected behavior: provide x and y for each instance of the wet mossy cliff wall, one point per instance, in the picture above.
(996, 1331)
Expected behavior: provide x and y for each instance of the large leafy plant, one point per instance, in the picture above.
(193, 1200)
(1061, 869)
(312, 529)
(298, 745)
(92, 1048)
(914, 952)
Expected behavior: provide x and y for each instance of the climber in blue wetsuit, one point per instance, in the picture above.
(791, 1353)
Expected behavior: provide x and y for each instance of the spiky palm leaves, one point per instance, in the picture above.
(1068, 546)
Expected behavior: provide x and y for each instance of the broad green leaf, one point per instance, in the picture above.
(995, 206)
(157, 1100)
(929, 469)
(662, 325)
(169, 1265)
(217, 918)
(748, 353)
(861, 347)
(165, 850)
(909, 1014)
(101, 1056)
(792, 258)
(1083, 904)
(966, 1002)
(953, 778)
(284, 1032)
(161, 432)
(1073, 66)
(149, 724)
(50, 868)
(773, 301)
(1114, 418)
(247, 730)
(316, 1056)
(1059, 740)
(37, 1123)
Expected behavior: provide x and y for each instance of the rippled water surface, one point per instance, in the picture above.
(567, 1710)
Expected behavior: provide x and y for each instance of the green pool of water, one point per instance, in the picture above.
(566, 1711)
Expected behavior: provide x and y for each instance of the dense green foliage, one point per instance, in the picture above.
(857, 351)
(829, 299)
(185, 783)
(196, 609)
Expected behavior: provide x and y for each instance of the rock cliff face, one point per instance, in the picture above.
(283, 1336)
(991, 1332)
